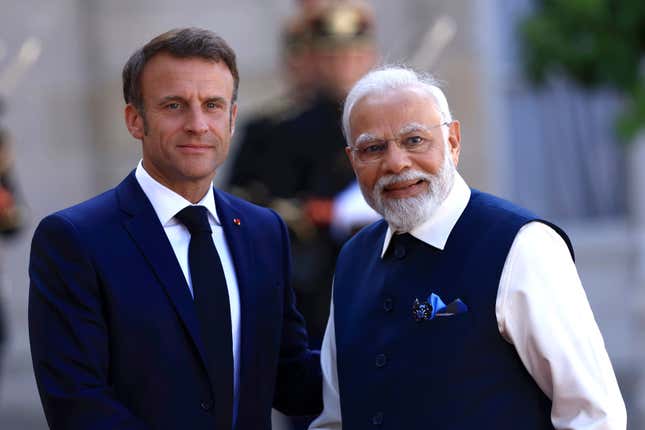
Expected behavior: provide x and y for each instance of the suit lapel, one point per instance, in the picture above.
(238, 233)
(147, 232)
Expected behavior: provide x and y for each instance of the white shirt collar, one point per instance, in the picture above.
(167, 203)
(436, 229)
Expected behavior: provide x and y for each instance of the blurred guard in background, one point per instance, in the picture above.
(10, 214)
(250, 177)
(295, 163)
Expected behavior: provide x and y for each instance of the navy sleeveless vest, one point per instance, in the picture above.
(453, 373)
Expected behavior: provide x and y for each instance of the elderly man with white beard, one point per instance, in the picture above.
(458, 310)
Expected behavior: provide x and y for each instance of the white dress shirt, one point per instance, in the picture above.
(167, 204)
(562, 349)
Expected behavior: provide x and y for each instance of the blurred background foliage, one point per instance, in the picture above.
(597, 43)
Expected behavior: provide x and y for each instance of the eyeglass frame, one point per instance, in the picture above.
(397, 140)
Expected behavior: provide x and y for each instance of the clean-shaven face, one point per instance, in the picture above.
(189, 118)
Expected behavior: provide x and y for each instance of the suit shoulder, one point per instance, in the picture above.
(75, 224)
(251, 210)
(367, 237)
(95, 211)
(242, 204)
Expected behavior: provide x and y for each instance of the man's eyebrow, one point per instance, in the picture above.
(216, 99)
(167, 99)
(412, 127)
(175, 98)
(365, 138)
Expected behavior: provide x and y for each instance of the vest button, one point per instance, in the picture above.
(388, 304)
(399, 251)
(206, 405)
(377, 419)
(381, 359)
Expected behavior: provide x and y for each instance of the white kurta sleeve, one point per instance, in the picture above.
(330, 418)
(543, 311)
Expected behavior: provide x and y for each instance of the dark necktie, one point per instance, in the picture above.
(213, 310)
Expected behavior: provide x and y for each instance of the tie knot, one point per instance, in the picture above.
(195, 218)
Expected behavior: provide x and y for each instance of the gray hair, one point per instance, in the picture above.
(390, 78)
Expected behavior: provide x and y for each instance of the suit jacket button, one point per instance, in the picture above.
(381, 359)
(377, 419)
(207, 405)
(388, 304)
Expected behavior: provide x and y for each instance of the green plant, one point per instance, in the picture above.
(594, 42)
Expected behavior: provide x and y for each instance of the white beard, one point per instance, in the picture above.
(405, 214)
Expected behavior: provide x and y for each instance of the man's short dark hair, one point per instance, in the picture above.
(182, 43)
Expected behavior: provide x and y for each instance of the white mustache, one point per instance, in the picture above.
(408, 175)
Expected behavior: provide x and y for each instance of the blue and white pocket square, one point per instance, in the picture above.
(433, 306)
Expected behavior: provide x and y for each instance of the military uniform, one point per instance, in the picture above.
(295, 156)
(282, 163)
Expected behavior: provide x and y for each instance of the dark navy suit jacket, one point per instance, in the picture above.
(114, 335)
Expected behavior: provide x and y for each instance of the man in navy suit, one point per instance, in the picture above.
(116, 338)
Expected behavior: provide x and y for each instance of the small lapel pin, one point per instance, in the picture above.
(421, 311)
(237, 222)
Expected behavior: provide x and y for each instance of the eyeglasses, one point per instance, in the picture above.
(417, 141)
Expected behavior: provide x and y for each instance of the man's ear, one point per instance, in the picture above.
(233, 118)
(134, 122)
(454, 141)
(350, 156)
